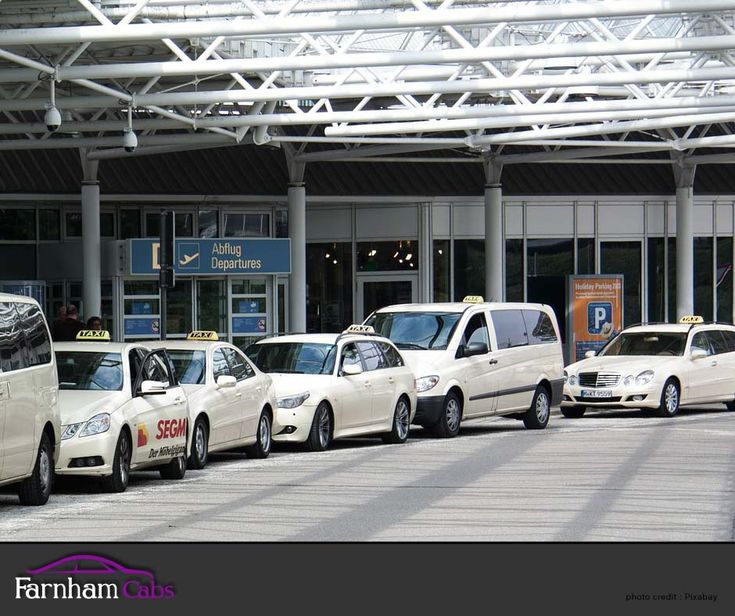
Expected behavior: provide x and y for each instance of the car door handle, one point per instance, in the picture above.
(493, 361)
(714, 362)
(238, 394)
(179, 401)
(391, 379)
(367, 384)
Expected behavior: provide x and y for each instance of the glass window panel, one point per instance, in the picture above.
(441, 271)
(586, 255)
(350, 356)
(73, 224)
(129, 223)
(386, 256)
(12, 341)
(329, 286)
(220, 367)
(34, 327)
(469, 268)
(239, 224)
(391, 354)
(703, 283)
(212, 305)
(141, 287)
(49, 225)
(107, 224)
(248, 287)
(374, 359)
(548, 263)
(281, 223)
(255, 305)
(625, 258)
(238, 364)
(476, 331)
(724, 279)
(656, 282)
(141, 306)
(671, 283)
(183, 224)
(17, 261)
(510, 328)
(178, 319)
(539, 327)
(208, 223)
(17, 224)
(514, 270)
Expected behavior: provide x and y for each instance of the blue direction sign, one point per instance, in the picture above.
(210, 256)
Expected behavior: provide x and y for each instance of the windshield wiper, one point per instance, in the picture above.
(410, 345)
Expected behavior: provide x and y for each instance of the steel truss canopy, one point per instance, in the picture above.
(513, 81)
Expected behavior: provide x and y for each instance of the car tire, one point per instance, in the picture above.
(451, 417)
(118, 481)
(175, 469)
(199, 445)
(537, 415)
(263, 439)
(320, 433)
(670, 399)
(573, 412)
(35, 490)
(401, 421)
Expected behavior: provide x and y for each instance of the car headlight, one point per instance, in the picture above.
(644, 378)
(628, 380)
(425, 383)
(291, 402)
(97, 425)
(71, 430)
(572, 379)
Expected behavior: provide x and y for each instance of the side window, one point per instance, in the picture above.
(729, 336)
(373, 356)
(510, 328)
(700, 341)
(34, 328)
(12, 340)
(539, 327)
(238, 364)
(391, 354)
(155, 369)
(717, 340)
(476, 330)
(220, 367)
(350, 356)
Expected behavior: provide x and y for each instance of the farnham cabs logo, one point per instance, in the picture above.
(89, 577)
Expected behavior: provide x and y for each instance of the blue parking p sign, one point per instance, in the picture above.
(598, 313)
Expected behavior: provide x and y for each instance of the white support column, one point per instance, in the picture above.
(494, 237)
(684, 176)
(297, 233)
(91, 247)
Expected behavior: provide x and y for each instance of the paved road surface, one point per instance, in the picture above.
(615, 477)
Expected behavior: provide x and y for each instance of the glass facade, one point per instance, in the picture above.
(387, 256)
(329, 286)
(441, 280)
(514, 270)
(625, 258)
(469, 268)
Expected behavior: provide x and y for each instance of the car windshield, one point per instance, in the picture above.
(647, 343)
(416, 330)
(189, 365)
(93, 371)
(293, 357)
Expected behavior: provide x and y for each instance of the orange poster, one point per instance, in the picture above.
(595, 313)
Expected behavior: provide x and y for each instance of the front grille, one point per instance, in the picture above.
(598, 379)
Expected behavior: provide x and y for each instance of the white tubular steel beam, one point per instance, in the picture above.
(345, 23)
(387, 89)
(92, 142)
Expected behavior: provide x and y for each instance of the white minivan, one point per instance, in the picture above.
(473, 359)
(29, 400)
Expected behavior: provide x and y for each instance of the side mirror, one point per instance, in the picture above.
(698, 354)
(152, 388)
(351, 369)
(475, 348)
(225, 381)
(589, 354)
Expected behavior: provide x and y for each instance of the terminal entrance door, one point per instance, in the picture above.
(377, 290)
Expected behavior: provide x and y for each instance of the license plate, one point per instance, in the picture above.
(596, 393)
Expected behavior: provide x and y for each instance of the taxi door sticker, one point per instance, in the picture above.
(142, 435)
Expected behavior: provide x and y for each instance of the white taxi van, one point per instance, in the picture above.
(336, 385)
(656, 366)
(475, 358)
(29, 408)
(122, 409)
(231, 402)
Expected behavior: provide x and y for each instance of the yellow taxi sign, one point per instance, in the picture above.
(202, 335)
(359, 329)
(691, 319)
(93, 335)
(473, 299)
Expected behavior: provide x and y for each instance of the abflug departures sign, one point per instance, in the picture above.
(88, 577)
(226, 256)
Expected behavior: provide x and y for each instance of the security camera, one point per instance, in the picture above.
(52, 119)
(130, 141)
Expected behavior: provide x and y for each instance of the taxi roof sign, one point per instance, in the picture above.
(473, 299)
(360, 329)
(93, 335)
(202, 335)
(691, 319)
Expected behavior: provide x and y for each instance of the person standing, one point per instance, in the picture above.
(94, 323)
(68, 329)
(60, 318)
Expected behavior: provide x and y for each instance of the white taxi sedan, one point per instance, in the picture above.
(661, 367)
(331, 386)
(231, 402)
(121, 410)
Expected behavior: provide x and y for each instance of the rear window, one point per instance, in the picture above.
(416, 330)
(293, 357)
(89, 371)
